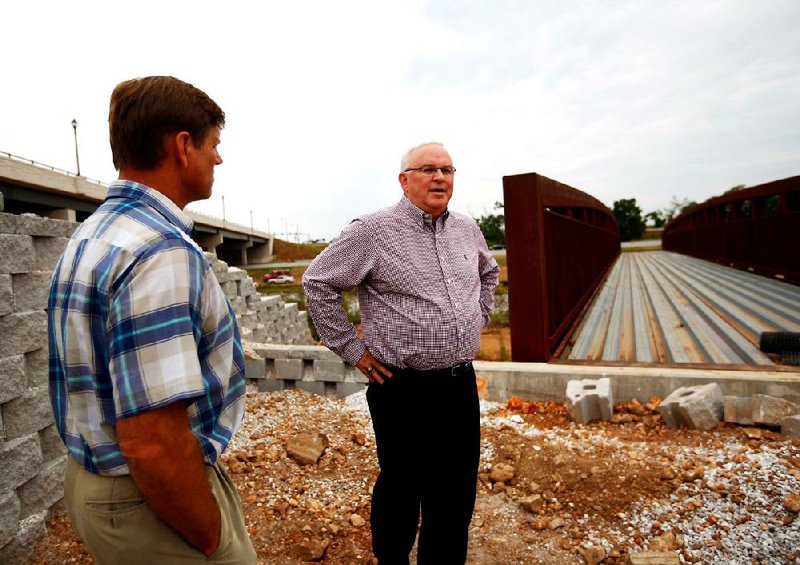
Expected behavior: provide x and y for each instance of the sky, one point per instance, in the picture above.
(644, 99)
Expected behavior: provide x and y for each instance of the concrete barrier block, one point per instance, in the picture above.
(22, 332)
(271, 385)
(353, 375)
(16, 253)
(590, 399)
(239, 305)
(790, 426)
(37, 367)
(12, 377)
(317, 387)
(28, 413)
(346, 389)
(291, 369)
(325, 370)
(51, 444)
(20, 460)
(738, 410)
(769, 410)
(30, 531)
(44, 490)
(9, 516)
(32, 224)
(47, 252)
(255, 368)
(31, 290)
(700, 407)
(6, 295)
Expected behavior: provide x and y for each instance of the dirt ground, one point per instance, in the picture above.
(549, 491)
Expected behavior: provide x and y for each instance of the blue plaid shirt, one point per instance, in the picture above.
(136, 321)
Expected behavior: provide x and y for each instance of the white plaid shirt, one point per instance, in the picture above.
(137, 320)
(425, 288)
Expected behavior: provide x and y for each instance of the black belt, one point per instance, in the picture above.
(454, 371)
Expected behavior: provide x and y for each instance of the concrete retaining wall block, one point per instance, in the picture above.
(271, 385)
(47, 252)
(31, 290)
(12, 377)
(738, 410)
(44, 490)
(255, 368)
(20, 460)
(699, 407)
(31, 530)
(27, 414)
(9, 517)
(589, 400)
(317, 387)
(346, 389)
(6, 295)
(329, 370)
(51, 444)
(16, 253)
(22, 332)
(37, 367)
(290, 369)
(32, 224)
(768, 410)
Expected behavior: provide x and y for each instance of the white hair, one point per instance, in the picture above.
(407, 155)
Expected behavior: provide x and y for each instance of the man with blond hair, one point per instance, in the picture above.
(425, 281)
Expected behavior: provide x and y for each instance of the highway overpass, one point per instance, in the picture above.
(28, 186)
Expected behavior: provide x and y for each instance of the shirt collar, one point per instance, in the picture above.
(418, 216)
(128, 189)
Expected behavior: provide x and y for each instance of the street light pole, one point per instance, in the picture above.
(75, 131)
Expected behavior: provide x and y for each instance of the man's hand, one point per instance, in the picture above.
(165, 463)
(372, 368)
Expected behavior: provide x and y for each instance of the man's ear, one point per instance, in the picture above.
(181, 144)
(403, 178)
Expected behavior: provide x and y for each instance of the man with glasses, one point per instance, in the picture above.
(426, 283)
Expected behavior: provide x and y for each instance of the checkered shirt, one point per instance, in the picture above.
(136, 321)
(425, 288)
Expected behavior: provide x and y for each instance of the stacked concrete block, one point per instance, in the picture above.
(769, 410)
(590, 399)
(261, 319)
(313, 368)
(759, 410)
(32, 457)
(700, 407)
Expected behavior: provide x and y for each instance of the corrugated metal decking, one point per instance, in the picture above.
(662, 307)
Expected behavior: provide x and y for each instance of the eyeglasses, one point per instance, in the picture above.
(430, 170)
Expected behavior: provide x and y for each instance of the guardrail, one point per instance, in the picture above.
(560, 244)
(756, 229)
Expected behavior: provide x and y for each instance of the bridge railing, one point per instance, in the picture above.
(560, 244)
(757, 229)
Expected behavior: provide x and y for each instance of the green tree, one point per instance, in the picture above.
(657, 217)
(493, 226)
(629, 219)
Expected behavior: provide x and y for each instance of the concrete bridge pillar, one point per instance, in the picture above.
(208, 241)
(259, 252)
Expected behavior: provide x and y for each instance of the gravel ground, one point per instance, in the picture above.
(550, 491)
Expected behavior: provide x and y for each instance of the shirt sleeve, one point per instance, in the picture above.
(154, 314)
(489, 274)
(343, 265)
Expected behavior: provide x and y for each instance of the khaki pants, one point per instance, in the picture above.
(118, 527)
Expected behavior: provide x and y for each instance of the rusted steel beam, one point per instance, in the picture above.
(756, 229)
(560, 243)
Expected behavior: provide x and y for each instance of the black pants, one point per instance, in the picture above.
(427, 429)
